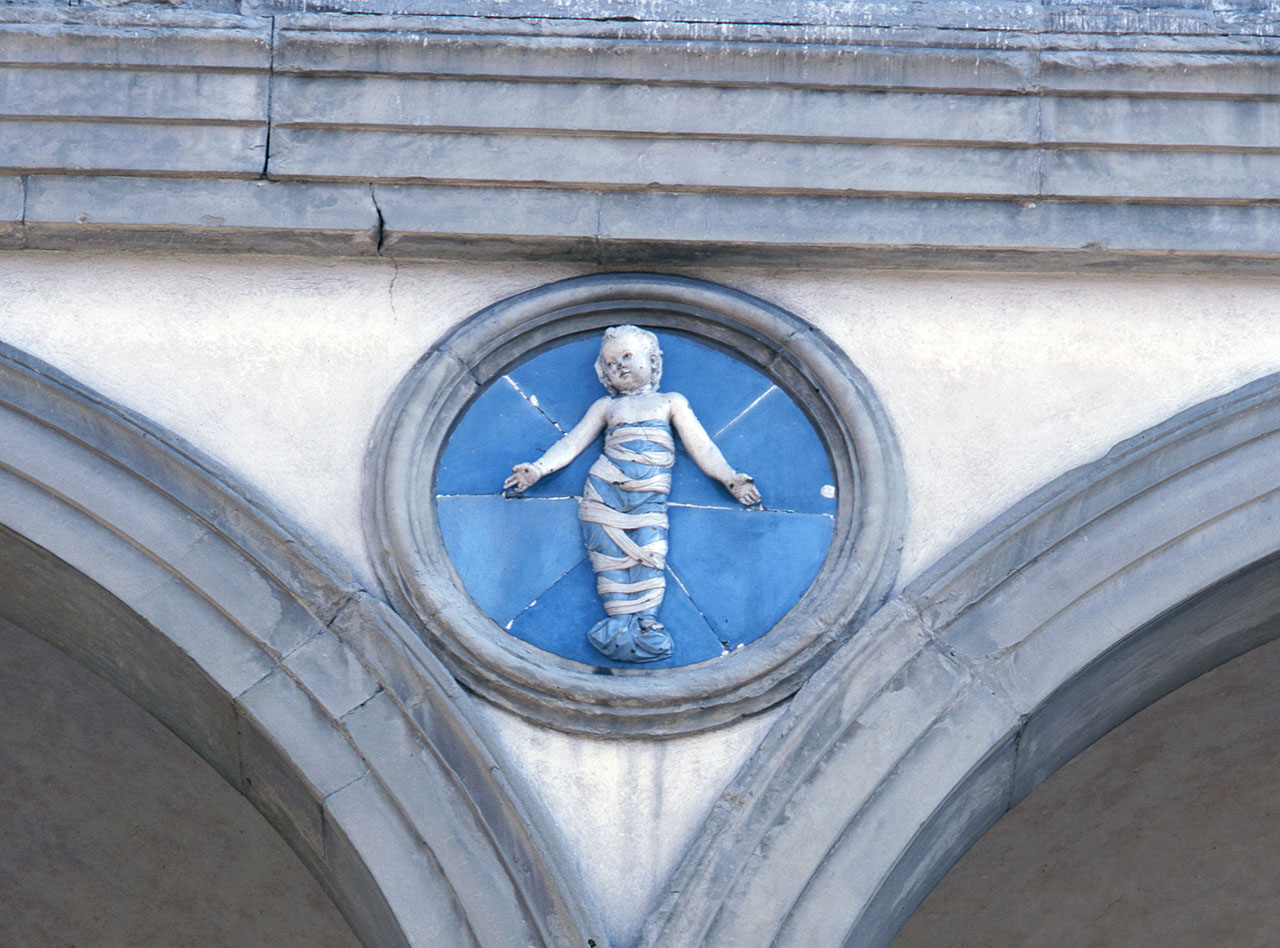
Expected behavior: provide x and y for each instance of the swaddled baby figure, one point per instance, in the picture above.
(623, 510)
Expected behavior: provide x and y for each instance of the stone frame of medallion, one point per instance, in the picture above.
(422, 584)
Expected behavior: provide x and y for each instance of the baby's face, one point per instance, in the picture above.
(627, 364)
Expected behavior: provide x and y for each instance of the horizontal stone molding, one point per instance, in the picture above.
(1081, 605)
(64, 212)
(128, 550)
(852, 139)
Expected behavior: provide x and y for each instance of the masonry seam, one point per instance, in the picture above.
(271, 84)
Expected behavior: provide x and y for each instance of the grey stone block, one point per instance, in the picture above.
(119, 499)
(1227, 621)
(1006, 13)
(410, 210)
(1125, 120)
(1245, 68)
(1046, 518)
(69, 211)
(421, 745)
(393, 653)
(806, 223)
(293, 756)
(1172, 17)
(153, 95)
(839, 902)
(65, 607)
(1163, 175)
(200, 629)
(249, 596)
(829, 795)
(448, 824)
(968, 812)
(409, 102)
(1167, 519)
(649, 162)
(77, 539)
(12, 200)
(332, 673)
(150, 38)
(375, 838)
(619, 51)
(117, 147)
(831, 707)
(546, 223)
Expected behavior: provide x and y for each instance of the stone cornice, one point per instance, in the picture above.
(976, 135)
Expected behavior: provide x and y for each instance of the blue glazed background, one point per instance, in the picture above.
(732, 572)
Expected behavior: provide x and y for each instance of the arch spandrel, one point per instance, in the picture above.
(1094, 597)
(129, 551)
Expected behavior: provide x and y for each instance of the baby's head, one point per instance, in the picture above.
(630, 361)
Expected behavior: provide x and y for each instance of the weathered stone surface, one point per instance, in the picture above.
(12, 197)
(398, 866)
(773, 112)
(292, 758)
(153, 38)
(154, 96)
(113, 212)
(608, 134)
(334, 675)
(1122, 120)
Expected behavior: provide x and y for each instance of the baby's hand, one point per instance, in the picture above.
(523, 476)
(743, 488)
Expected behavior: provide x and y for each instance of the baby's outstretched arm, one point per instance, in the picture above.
(707, 456)
(524, 476)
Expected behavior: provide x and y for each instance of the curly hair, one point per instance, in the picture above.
(648, 341)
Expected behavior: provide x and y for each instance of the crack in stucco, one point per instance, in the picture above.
(380, 246)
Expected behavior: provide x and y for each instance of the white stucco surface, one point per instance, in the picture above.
(278, 368)
(626, 810)
(997, 383)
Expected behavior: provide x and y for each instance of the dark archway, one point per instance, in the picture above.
(132, 553)
(1163, 832)
(1086, 602)
(117, 835)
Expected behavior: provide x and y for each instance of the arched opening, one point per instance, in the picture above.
(117, 834)
(1164, 832)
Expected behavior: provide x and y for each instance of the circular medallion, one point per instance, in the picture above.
(634, 586)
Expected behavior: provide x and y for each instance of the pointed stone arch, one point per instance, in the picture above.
(1081, 605)
(125, 548)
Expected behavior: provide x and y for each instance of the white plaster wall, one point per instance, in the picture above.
(626, 810)
(278, 368)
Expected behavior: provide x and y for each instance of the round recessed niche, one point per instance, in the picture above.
(500, 586)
